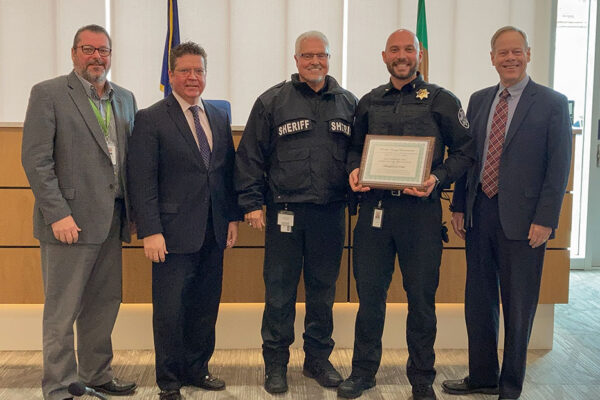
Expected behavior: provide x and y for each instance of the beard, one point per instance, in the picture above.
(411, 71)
(314, 76)
(94, 78)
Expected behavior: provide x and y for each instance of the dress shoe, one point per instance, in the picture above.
(323, 372)
(423, 392)
(354, 386)
(116, 387)
(276, 379)
(509, 398)
(463, 386)
(169, 395)
(209, 382)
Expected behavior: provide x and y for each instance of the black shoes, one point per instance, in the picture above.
(423, 392)
(209, 382)
(169, 395)
(323, 372)
(116, 387)
(276, 379)
(463, 386)
(354, 386)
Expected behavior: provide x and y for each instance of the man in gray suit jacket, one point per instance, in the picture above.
(507, 207)
(74, 145)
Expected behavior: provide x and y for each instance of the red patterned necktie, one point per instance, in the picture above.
(489, 180)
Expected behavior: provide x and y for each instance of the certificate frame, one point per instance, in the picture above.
(396, 162)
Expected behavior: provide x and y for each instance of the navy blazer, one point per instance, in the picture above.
(171, 190)
(535, 162)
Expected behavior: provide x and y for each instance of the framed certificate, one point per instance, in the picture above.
(396, 162)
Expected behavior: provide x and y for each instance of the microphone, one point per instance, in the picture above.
(79, 389)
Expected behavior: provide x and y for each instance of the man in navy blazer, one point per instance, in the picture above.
(180, 170)
(507, 207)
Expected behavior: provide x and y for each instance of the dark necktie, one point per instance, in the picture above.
(491, 170)
(201, 136)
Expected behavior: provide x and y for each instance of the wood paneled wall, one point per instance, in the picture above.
(20, 273)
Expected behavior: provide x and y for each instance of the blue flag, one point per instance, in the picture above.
(171, 41)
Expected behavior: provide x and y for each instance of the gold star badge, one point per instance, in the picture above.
(422, 94)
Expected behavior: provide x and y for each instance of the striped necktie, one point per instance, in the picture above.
(201, 136)
(491, 170)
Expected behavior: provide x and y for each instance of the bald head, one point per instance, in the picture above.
(402, 57)
(403, 35)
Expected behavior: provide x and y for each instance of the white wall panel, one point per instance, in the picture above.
(539, 33)
(250, 44)
(369, 25)
(207, 23)
(475, 23)
(27, 54)
(35, 41)
(324, 16)
(71, 15)
(138, 32)
(258, 51)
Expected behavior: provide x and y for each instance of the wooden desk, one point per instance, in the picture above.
(20, 273)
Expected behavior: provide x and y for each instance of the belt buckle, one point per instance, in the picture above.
(396, 193)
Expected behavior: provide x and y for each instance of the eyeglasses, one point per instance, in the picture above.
(89, 50)
(188, 71)
(310, 56)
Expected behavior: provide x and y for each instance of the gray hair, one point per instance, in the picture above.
(92, 28)
(509, 28)
(311, 35)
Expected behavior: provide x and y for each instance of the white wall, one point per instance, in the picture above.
(250, 43)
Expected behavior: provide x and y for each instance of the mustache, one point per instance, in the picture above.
(95, 62)
(400, 61)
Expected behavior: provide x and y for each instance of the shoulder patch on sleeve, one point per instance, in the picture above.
(462, 118)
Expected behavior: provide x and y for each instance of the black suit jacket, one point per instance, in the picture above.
(171, 190)
(535, 162)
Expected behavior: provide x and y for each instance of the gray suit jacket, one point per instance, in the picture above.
(66, 158)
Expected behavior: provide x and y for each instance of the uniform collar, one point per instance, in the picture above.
(330, 83)
(411, 86)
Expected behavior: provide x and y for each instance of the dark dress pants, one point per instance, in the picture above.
(411, 230)
(186, 291)
(314, 247)
(493, 262)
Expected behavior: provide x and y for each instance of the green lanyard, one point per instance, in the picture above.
(104, 123)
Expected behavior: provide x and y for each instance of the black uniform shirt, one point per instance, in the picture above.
(294, 146)
(418, 109)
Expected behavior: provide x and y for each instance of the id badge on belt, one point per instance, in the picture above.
(285, 220)
(377, 216)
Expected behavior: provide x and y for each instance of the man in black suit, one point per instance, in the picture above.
(180, 166)
(507, 207)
